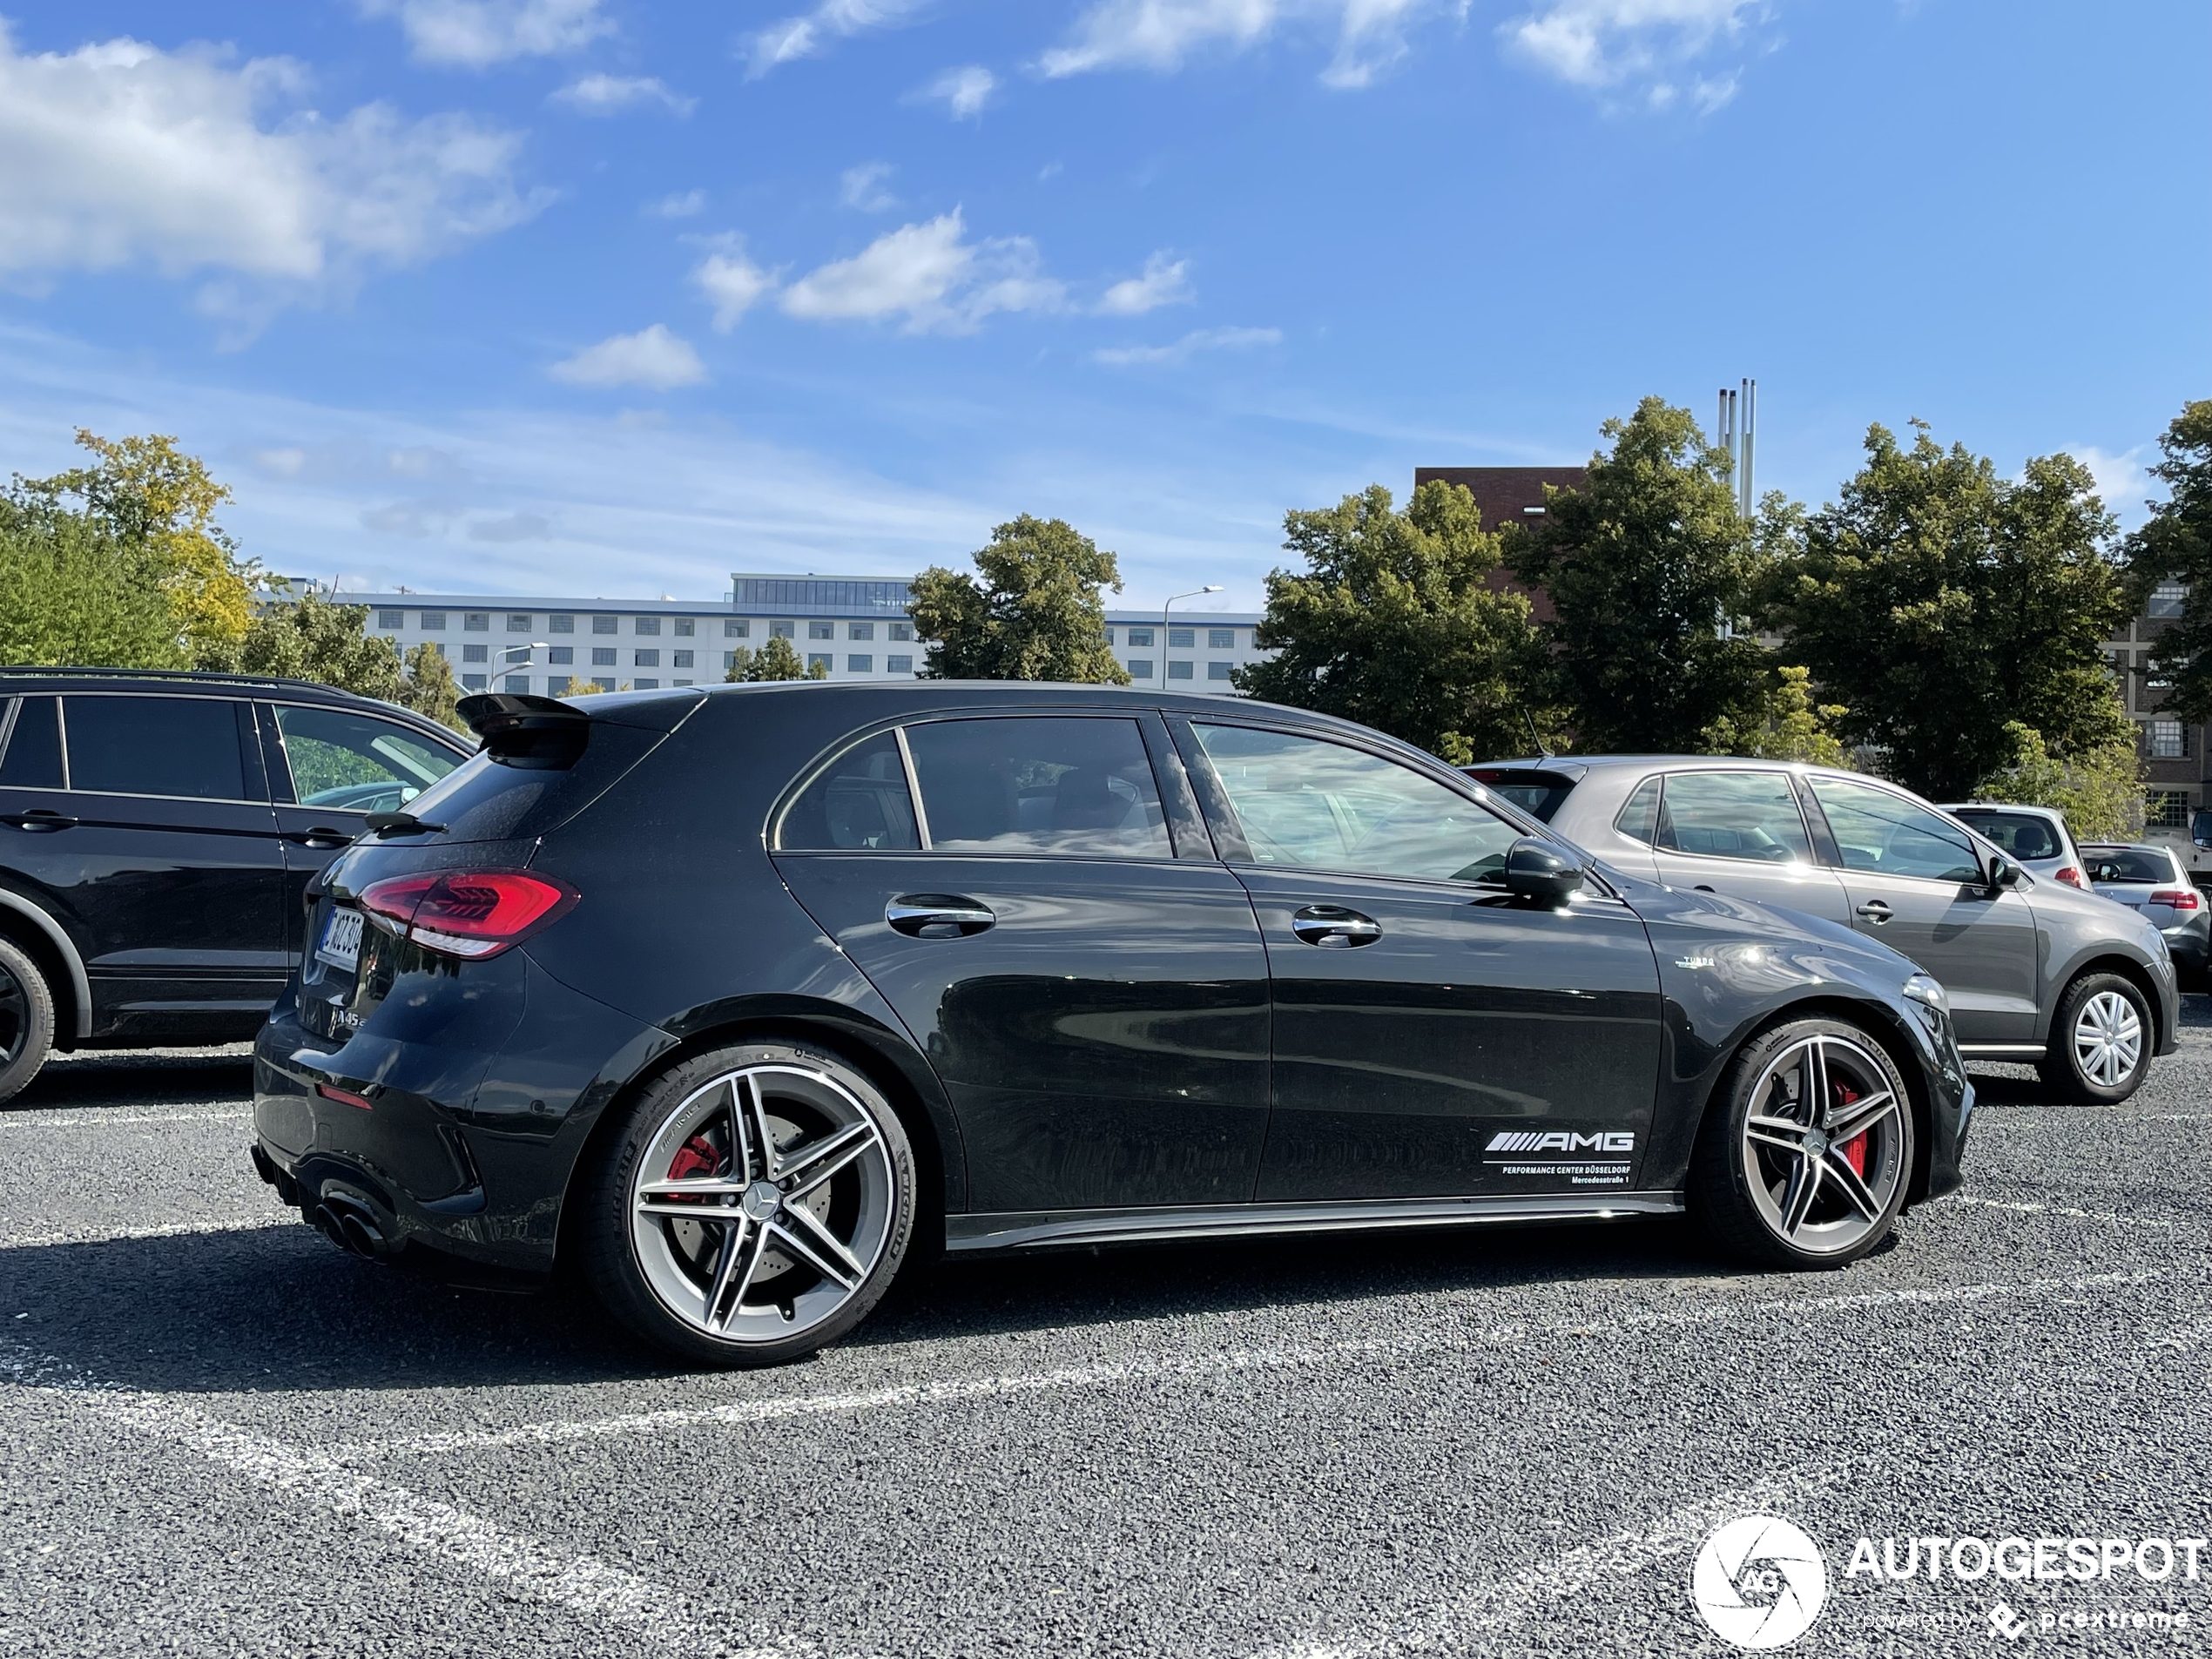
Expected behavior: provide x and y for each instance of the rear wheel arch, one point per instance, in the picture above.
(35, 933)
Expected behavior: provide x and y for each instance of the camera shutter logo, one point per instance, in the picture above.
(1759, 1582)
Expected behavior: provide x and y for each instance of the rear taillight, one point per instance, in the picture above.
(2180, 897)
(2071, 877)
(467, 913)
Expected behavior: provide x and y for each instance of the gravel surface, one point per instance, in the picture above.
(224, 1437)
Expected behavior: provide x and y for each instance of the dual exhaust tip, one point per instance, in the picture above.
(346, 1220)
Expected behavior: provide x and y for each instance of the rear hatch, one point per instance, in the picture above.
(544, 760)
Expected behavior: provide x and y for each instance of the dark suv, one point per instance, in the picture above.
(156, 832)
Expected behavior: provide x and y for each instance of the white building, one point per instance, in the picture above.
(856, 627)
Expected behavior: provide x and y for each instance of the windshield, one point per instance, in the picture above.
(2018, 835)
(1537, 793)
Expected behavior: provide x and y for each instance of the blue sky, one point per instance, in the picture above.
(604, 297)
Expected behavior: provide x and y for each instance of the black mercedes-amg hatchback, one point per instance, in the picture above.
(731, 1001)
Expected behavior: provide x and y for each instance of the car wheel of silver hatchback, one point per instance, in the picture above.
(760, 1202)
(2101, 1041)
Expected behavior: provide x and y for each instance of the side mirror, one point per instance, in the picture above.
(2003, 873)
(1537, 870)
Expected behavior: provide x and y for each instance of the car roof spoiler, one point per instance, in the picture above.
(504, 716)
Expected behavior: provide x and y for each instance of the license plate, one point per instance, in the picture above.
(341, 940)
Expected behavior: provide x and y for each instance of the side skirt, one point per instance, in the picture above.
(1056, 1228)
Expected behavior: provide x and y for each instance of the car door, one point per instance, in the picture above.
(328, 769)
(1917, 883)
(1086, 979)
(180, 887)
(1743, 832)
(1433, 1035)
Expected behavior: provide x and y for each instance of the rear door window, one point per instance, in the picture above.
(356, 762)
(1749, 815)
(1886, 834)
(188, 746)
(1080, 787)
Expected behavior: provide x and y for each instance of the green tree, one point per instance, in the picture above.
(1787, 725)
(430, 687)
(2099, 788)
(777, 659)
(311, 638)
(1393, 623)
(73, 594)
(1650, 570)
(1942, 604)
(2175, 545)
(1035, 615)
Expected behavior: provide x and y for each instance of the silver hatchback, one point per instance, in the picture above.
(2037, 970)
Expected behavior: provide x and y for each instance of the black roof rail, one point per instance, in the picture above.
(13, 671)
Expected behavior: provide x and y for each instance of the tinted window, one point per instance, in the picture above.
(154, 745)
(1888, 836)
(358, 762)
(1080, 787)
(2024, 835)
(1537, 793)
(1733, 815)
(35, 748)
(1305, 801)
(535, 784)
(859, 801)
(1639, 816)
(2126, 864)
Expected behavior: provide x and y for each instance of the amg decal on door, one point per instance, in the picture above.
(1609, 1168)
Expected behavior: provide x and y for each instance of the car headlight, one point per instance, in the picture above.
(1924, 989)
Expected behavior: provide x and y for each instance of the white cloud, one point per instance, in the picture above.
(1161, 34)
(118, 154)
(731, 281)
(652, 357)
(931, 277)
(862, 187)
(1166, 282)
(514, 527)
(1645, 46)
(475, 34)
(285, 462)
(686, 204)
(2121, 480)
(611, 94)
(963, 91)
(1185, 348)
(810, 33)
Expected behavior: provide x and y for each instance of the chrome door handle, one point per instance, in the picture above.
(937, 916)
(1875, 911)
(39, 819)
(1335, 928)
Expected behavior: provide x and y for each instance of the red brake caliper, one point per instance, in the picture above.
(1855, 1148)
(697, 1157)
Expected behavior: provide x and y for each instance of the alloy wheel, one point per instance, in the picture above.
(15, 1016)
(762, 1202)
(2107, 1039)
(1824, 1144)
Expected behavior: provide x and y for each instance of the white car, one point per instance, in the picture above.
(2035, 838)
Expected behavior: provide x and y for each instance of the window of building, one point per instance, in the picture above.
(475, 653)
(437, 646)
(561, 624)
(2166, 809)
(391, 619)
(645, 624)
(783, 631)
(1221, 639)
(737, 629)
(645, 685)
(679, 660)
(1109, 636)
(434, 622)
(1179, 671)
(899, 630)
(2167, 599)
(685, 627)
(562, 654)
(1140, 636)
(817, 659)
(475, 622)
(2170, 740)
(474, 681)
(821, 630)
(1077, 788)
(1140, 668)
(517, 623)
(645, 659)
(518, 684)
(560, 685)
(1219, 670)
(1182, 639)
(605, 625)
(679, 682)
(602, 656)
(860, 662)
(602, 682)
(860, 630)
(898, 664)
(728, 661)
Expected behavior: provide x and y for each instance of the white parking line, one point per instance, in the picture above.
(525, 1566)
(172, 1229)
(95, 1118)
(2063, 1209)
(1133, 1372)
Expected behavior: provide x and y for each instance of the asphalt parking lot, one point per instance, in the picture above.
(225, 1437)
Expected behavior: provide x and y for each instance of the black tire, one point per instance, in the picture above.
(1837, 1227)
(2078, 1076)
(26, 1020)
(647, 1268)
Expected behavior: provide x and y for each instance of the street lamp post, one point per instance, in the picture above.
(506, 654)
(1210, 587)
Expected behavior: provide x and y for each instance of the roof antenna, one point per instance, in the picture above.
(1533, 737)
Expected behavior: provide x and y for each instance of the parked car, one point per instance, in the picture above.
(2148, 878)
(731, 999)
(2037, 970)
(156, 832)
(2035, 838)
